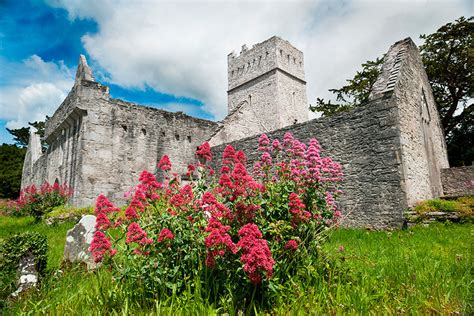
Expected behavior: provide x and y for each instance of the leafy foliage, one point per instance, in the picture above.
(448, 57)
(11, 165)
(11, 251)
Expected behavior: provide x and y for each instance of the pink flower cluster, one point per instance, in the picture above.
(31, 194)
(100, 246)
(256, 255)
(135, 234)
(218, 241)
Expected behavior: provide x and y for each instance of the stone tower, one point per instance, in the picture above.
(266, 90)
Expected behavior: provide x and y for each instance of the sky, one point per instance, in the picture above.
(173, 54)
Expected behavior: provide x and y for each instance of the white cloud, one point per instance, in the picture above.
(35, 89)
(180, 47)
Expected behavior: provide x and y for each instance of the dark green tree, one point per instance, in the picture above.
(448, 57)
(11, 165)
(354, 93)
(22, 135)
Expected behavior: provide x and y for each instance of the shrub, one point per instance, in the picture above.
(463, 206)
(37, 202)
(12, 249)
(234, 233)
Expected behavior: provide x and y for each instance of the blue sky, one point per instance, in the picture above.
(172, 55)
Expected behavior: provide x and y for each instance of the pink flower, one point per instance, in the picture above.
(276, 146)
(256, 255)
(136, 234)
(291, 245)
(297, 209)
(102, 222)
(103, 204)
(263, 142)
(165, 234)
(203, 152)
(165, 163)
(218, 241)
(101, 246)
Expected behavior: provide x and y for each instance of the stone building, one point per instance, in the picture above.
(392, 149)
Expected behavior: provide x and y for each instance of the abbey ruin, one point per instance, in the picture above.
(392, 149)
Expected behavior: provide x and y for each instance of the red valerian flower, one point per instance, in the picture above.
(101, 246)
(103, 204)
(136, 234)
(102, 222)
(263, 143)
(297, 209)
(165, 163)
(256, 255)
(165, 234)
(203, 152)
(218, 241)
(291, 245)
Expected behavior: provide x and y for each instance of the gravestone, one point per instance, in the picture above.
(28, 275)
(78, 241)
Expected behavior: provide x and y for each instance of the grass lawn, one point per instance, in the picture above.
(422, 270)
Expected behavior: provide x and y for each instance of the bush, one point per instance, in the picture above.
(36, 202)
(11, 251)
(235, 234)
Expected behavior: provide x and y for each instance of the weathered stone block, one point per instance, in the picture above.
(78, 241)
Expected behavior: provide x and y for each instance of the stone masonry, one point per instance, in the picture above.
(392, 149)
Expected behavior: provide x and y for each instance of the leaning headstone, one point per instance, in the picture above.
(28, 276)
(78, 241)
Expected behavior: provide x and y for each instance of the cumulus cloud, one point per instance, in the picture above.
(180, 47)
(34, 89)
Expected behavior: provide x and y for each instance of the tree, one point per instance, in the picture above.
(448, 57)
(355, 93)
(22, 135)
(11, 165)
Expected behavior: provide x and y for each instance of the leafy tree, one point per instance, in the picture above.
(354, 93)
(448, 57)
(22, 135)
(11, 165)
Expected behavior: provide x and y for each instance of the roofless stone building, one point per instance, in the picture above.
(392, 149)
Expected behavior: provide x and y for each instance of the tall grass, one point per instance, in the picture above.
(419, 271)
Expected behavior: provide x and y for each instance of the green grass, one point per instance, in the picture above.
(422, 270)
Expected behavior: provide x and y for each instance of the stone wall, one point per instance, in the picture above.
(366, 143)
(458, 181)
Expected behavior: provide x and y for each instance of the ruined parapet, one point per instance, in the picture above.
(266, 90)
